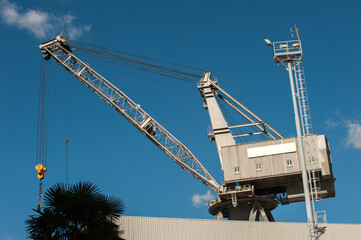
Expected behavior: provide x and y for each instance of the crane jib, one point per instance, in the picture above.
(62, 53)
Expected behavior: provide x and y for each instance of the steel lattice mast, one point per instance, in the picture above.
(171, 146)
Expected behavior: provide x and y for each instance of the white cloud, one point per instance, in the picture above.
(39, 23)
(330, 124)
(353, 134)
(199, 200)
(8, 237)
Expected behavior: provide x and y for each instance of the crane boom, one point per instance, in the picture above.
(59, 49)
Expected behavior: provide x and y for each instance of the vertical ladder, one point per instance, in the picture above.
(315, 184)
(320, 222)
(305, 115)
(313, 175)
(303, 99)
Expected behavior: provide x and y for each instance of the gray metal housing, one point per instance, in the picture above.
(274, 166)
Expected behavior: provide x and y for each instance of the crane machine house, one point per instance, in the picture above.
(273, 166)
(257, 175)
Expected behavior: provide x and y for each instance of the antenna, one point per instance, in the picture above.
(295, 31)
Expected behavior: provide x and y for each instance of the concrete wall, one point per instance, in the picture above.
(143, 228)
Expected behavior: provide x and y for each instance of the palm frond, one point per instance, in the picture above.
(79, 210)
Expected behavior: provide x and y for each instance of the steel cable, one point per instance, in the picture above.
(232, 121)
(140, 68)
(137, 62)
(99, 53)
(230, 118)
(135, 55)
(42, 125)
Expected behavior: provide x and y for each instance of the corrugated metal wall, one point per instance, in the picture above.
(144, 228)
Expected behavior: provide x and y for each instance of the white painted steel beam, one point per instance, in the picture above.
(222, 134)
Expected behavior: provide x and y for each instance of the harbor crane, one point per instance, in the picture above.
(258, 176)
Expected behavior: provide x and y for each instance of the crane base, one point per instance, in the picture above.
(246, 209)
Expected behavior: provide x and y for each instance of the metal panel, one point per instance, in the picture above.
(276, 158)
(260, 159)
(148, 228)
(271, 150)
(274, 166)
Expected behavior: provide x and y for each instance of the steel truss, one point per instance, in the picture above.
(62, 53)
(252, 118)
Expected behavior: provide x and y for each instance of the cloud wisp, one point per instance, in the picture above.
(199, 200)
(351, 130)
(330, 124)
(353, 134)
(8, 237)
(40, 24)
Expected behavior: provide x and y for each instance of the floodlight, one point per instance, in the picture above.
(296, 45)
(268, 42)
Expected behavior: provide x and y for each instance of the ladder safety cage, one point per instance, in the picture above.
(171, 146)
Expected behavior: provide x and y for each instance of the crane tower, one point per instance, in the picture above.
(288, 54)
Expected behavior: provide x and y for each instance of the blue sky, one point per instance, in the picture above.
(225, 37)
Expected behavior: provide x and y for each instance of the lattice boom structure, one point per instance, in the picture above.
(62, 53)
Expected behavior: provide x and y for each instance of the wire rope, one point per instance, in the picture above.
(66, 115)
(43, 106)
(136, 55)
(137, 62)
(37, 157)
(140, 68)
(42, 127)
(100, 54)
(231, 120)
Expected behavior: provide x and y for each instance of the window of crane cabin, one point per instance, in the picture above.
(289, 163)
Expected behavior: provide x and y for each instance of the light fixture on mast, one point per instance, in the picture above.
(268, 42)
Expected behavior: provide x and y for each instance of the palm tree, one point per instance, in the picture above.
(76, 212)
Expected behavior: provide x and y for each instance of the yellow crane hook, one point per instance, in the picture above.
(41, 170)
